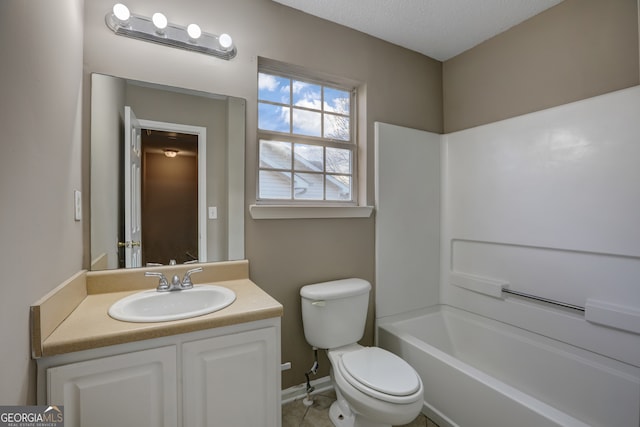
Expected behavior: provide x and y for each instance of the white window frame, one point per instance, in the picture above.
(285, 209)
(294, 138)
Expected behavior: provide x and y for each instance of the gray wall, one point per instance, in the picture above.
(107, 138)
(575, 50)
(42, 245)
(398, 86)
(40, 166)
(172, 107)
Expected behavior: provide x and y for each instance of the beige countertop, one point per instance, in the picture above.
(59, 326)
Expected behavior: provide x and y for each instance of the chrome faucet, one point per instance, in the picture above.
(163, 285)
(176, 284)
(186, 280)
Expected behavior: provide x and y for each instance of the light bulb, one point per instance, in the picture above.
(225, 41)
(171, 153)
(160, 21)
(121, 12)
(194, 31)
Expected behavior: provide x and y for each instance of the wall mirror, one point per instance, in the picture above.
(167, 175)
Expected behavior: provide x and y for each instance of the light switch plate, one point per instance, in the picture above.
(213, 212)
(77, 201)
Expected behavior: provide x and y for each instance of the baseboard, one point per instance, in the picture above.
(300, 391)
(437, 417)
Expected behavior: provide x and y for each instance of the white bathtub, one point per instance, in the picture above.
(481, 373)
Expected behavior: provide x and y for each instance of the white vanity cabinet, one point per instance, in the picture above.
(229, 380)
(227, 376)
(135, 389)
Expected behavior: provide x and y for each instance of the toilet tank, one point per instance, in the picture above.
(334, 313)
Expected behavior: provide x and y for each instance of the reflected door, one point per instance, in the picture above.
(132, 197)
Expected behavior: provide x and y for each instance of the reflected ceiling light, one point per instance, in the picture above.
(170, 152)
(157, 29)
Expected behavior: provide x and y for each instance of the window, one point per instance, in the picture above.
(307, 149)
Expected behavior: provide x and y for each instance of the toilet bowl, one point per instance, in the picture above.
(379, 388)
(374, 387)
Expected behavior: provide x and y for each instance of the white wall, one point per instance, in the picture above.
(407, 219)
(40, 166)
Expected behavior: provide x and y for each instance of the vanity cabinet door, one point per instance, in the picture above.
(232, 380)
(132, 389)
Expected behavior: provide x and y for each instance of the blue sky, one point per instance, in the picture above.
(305, 122)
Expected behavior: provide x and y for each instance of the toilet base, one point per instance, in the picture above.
(340, 418)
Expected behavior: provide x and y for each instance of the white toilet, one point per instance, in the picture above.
(374, 387)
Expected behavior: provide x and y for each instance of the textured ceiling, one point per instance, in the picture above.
(440, 29)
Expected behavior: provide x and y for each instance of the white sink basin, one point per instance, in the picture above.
(154, 306)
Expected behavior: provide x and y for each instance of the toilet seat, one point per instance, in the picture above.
(380, 374)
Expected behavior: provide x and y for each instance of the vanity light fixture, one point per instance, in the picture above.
(157, 29)
(160, 22)
(225, 41)
(194, 31)
(121, 13)
(170, 152)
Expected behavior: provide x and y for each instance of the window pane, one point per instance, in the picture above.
(307, 95)
(275, 154)
(273, 117)
(308, 186)
(308, 158)
(336, 127)
(299, 167)
(273, 88)
(306, 122)
(338, 187)
(275, 185)
(338, 160)
(336, 101)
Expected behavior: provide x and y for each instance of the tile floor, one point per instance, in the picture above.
(296, 414)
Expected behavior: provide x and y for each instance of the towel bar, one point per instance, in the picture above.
(547, 300)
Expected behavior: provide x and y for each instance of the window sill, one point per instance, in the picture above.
(300, 212)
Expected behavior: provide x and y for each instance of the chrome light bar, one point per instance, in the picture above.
(163, 32)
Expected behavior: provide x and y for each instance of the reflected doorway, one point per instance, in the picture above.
(169, 197)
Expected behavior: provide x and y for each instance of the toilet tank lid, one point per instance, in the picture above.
(335, 289)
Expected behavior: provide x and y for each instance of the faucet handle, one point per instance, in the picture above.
(186, 281)
(163, 285)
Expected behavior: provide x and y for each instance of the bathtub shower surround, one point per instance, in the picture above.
(545, 204)
(407, 219)
(508, 376)
(548, 203)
